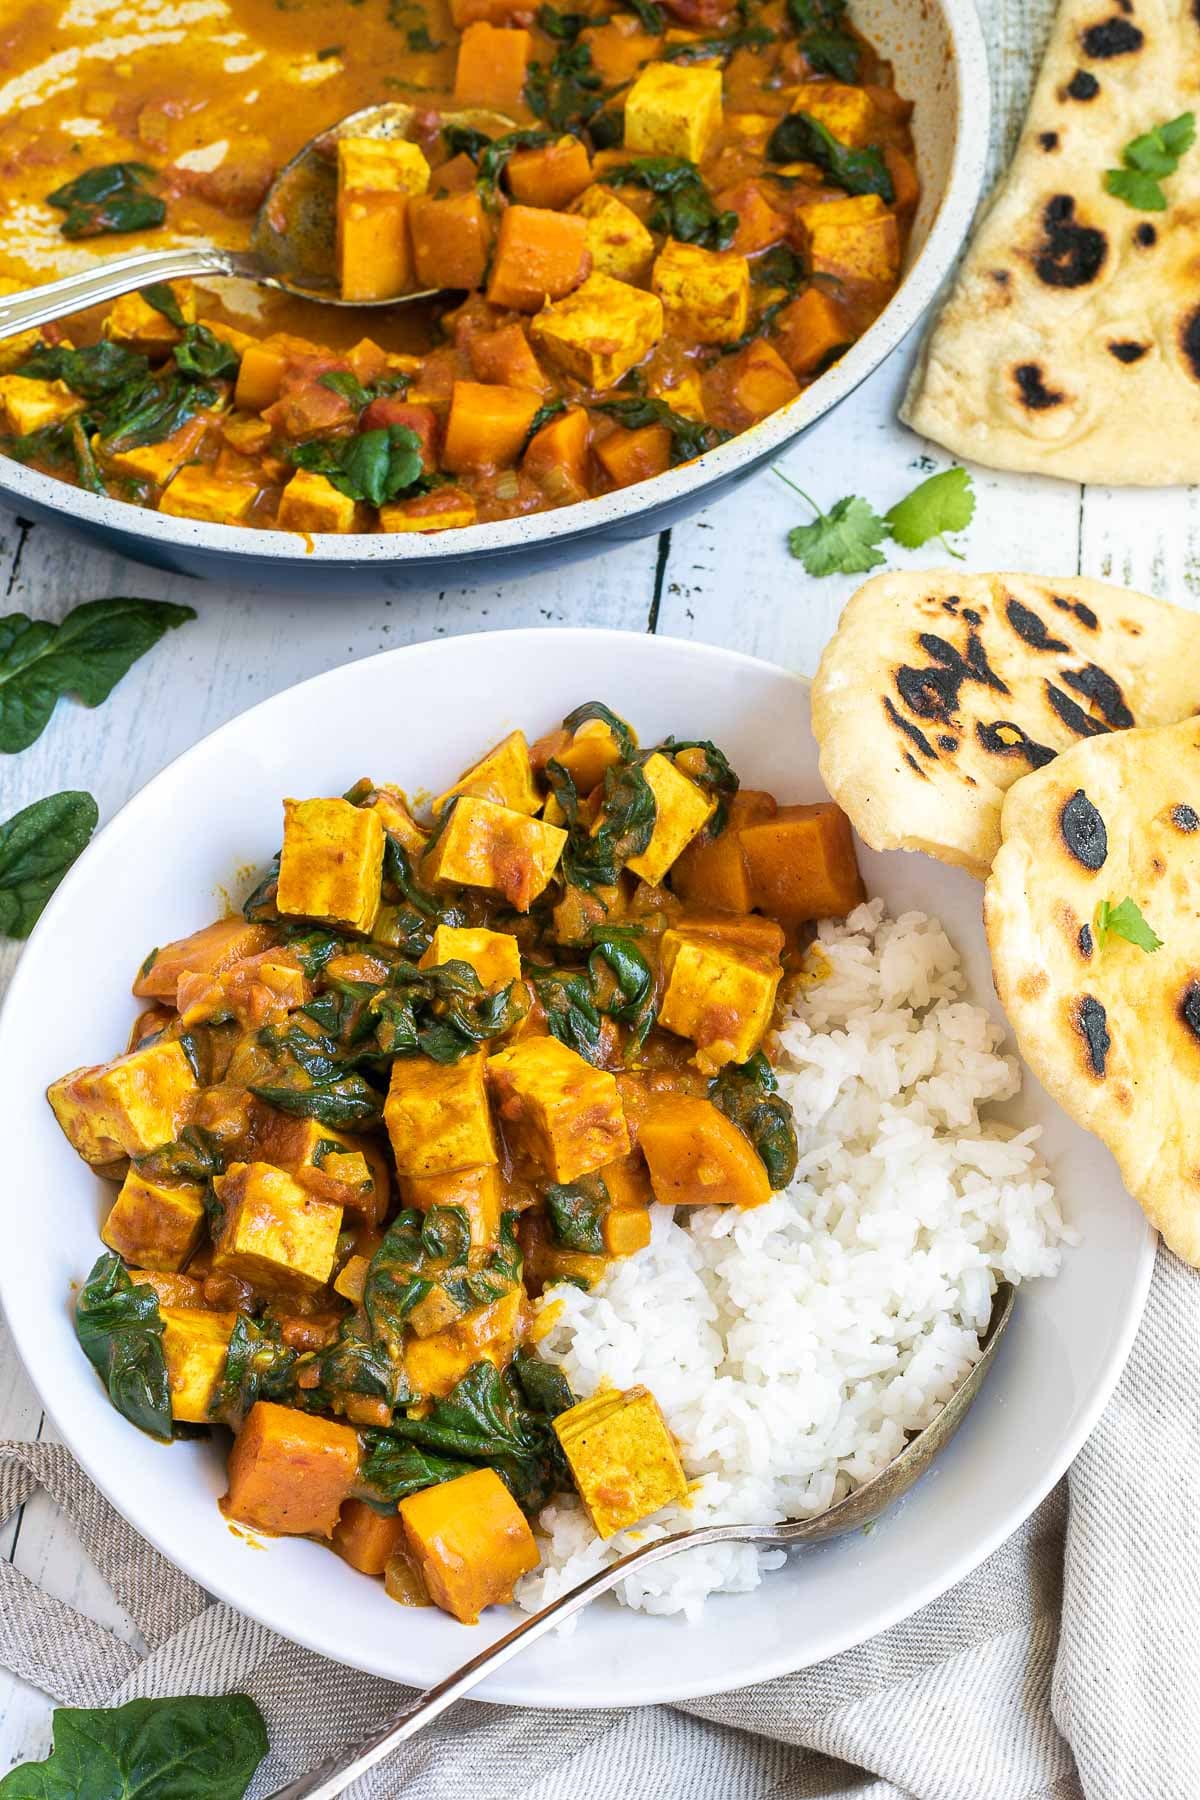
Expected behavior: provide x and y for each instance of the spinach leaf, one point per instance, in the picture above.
(711, 771)
(37, 847)
(424, 1251)
(653, 19)
(314, 945)
(751, 37)
(353, 1367)
(488, 1419)
(161, 296)
(190, 1747)
(595, 710)
(543, 1384)
(570, 1008)
(748, 1094)
(566, 94)
(129, 403)
(376, 466)
(393, 1468)
(685, 209)
(833, 53)
(120, 1330)
(628, 817)
(444, 1012)
(815, 15)
(195, 1156)
(113, 197)
(689, 437)
(347, 384)
(799, 137)
(314, 1081)
(491, 154)
(94, 373)
(258, 1366)
(631, 1001)
(259, 905)
(204, 355)
(87, 654)
(563, 27)
(576, 1211)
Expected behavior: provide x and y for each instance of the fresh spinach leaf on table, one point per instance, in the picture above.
(120, 1331)
(37, 847)
(193, 1747)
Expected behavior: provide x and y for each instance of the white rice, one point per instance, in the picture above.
(794, 1345)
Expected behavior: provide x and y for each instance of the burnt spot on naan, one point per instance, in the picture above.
(1003, 738)
(1071, 254)
(1072, 714)
(1082, 86)
(1084, 940)
(1083, 613)
(1189, 1008)
(1048, 140)
(1126, 350)
(1189, 341)
(1098, 686)
(1145, 235)
(932, 692)
(1091, 1022)
(914, 765)
(948, 744)
(1112, 37)
(913, 732)
(1030, 628)
(1084, 831)
(971, 616)
(1032, 390)
(1185, 818)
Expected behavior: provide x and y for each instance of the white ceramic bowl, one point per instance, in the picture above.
(941, 64)
(162, 867)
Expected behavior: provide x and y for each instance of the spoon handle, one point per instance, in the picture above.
(108, 280)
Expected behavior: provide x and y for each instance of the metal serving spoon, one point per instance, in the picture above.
(293, 246)
(858, 1509)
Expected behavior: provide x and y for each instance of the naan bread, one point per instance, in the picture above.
(1111, 1031)
(939, 690)
(1070, 344)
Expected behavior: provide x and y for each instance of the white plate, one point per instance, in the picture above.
(161, 868)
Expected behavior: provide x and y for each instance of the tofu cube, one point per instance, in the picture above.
(196, 493)
(600, 331)
(195, 1342)
(349, 1172)
(134, 322)
(719, 997)
(443, 509)
(128, 1107)
(622, 1456)
(858, 237)
(155, 1226)
(311, 503)
(683, 811)
(471, 1542)
(437, 1116)
(495, 956)
(158, 463)
(705, 293)
(483, 845)
(620, 244)
(331, 865)
(504, 775)
(437, 1362)
(277, 1234)
(377, 177)
(16, 350)
(208, 951)
(559, 1113)
(290, 1472)
(27, 404)
(479, 1191)
(673, 110)
(845, 112)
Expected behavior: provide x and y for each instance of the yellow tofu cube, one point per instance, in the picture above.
(195, 1342)
(391, 804)
(437, 1116)
(376, 179)
(15, 350)
(369, 165)
(310, 503)
(622, 1456)
(444, 509)
(685, 396)
(331, 865)
(558, 1112)
(504, 775)
(857, 237)
(277, 1234)
(683, 810)
(133, 322)
(158, 462)
(620, 244)
(600, 331)
(196, 493)
(27, 404)
(705, 293)
(483, 845)
(845, 112)
(155, 1226)
(722, 998)
(436, 1363)
(478, 1191)
(673, 110)
(495, 956)
(128, 1107)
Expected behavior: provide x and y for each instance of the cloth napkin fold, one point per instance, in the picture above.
(1067, 1667)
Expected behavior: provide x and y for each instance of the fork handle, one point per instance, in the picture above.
(108, 280)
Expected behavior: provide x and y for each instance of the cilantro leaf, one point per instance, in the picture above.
(1147, 159)
(1137, 190)
(1127, 921)
(842, 541)
(945, 502)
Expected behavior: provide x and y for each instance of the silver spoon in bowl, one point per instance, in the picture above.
(293, 246)
(858, 1509)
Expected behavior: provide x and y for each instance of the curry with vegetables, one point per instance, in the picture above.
(435, 1067)
(667, 221)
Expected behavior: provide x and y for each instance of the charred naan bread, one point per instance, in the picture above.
(1111, 1031)
(938, 690)
(1070, 344)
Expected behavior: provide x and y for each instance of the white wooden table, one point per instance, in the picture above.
(724, 577)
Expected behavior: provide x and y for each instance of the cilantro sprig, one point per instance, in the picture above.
(845, 540)
(1125, 920)
(1148, 160)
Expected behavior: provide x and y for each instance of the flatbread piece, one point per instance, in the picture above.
(939, 690)
(1070, 344)
(1111, 1031)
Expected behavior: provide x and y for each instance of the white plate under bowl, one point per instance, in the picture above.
(416, 716)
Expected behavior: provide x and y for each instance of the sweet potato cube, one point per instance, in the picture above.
(478, 1191)
(549, 176)
(589, 754)
(27, 404)
(290, 1472)
(470, 1541)
(738, 931)
(260, 376)
(845, 112)
(622, 1456)
(619, 48)
(630, 456)
(858, 237)
(377, 178)
(620, 244)
(437, 1362)
(504, 775)
(127, 1107)
(365, 1538)
(154, 1225)
(391, 806)
(906, 183)
(205, 952)
(450, 239)
(759, 225)
(683, 810)
(810, 330)
(626, 1229)
(627, 1182)
(487, 426)
(277, 1234)
(257, 989)
(557, 456)
(540, 256)
(759, 383)
(310, 503)
(673, 110)
(600, 331)
(719, 997)
(802, 864)
(559, 1113)
(705, 293)
(504, 356)
(195, 1342)
(712, 871)
(495, 956)
(698, 1157)
(496, 848)
(331, 865)
(350, 1172)
(186, 1291)
(133, 322)
(491, 66)
(437, 1116)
